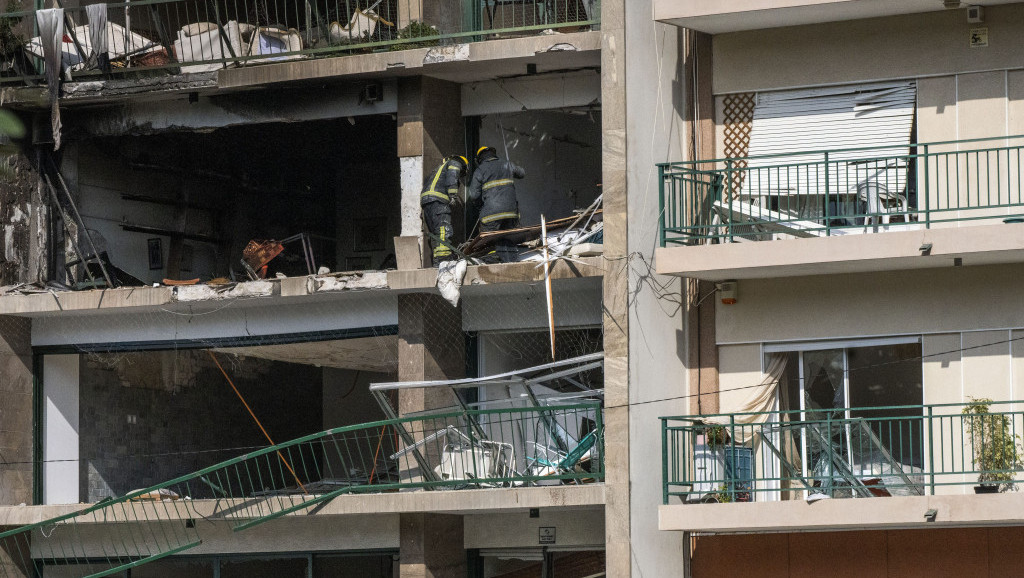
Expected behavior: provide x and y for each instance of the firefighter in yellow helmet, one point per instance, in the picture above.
(494, 185)
(440, 192)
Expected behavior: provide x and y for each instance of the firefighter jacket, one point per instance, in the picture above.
(493, 184)
(443, 184)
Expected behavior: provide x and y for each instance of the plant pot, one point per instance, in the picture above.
(986, 489)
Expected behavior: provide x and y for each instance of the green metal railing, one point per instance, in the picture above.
(840, 453)
(447, 451)
(223, 33)
(841, 192)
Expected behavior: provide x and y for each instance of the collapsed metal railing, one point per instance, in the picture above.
(486, 448)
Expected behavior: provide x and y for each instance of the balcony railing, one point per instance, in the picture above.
(841, 192)
(205, 35)
(497, 448)
(841, 452)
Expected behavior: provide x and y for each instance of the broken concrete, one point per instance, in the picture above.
(347, 281)
(22, 224)
(217, 292)
(451, 53)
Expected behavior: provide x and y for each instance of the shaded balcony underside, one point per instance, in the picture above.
(897, 251)
(904, 512)
(738, 15)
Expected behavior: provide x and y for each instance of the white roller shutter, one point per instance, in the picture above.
(819, 119)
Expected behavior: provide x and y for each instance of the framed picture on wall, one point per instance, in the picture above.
(368, 235)
(156, 253)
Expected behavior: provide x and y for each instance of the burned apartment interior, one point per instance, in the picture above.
(148, 415)
(293, 198)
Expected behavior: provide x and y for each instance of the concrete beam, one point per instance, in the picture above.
(526, 272)
(850, 514)
(481, 60)
(869, 252)
(537, 92)
(292, 288)
(225, 110)
(462, 502)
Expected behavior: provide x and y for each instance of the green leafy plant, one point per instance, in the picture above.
(723, 496)
(417, 29)
(996, 449)
(716, 436)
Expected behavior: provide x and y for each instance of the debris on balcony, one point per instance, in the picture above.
(449, 280)
(33, 288)
(554, 444)
(174, 282)
(136, 47)
(562, 236)
(259, 253)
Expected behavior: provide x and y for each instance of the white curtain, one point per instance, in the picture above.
(97, 14)
(51, 34)
(761, 399)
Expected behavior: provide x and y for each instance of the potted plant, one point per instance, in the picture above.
(996, 449)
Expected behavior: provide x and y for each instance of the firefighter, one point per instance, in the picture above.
(440, 192)
(494, 186)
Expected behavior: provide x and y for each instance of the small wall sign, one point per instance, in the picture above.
(547, 535)
(979, 37)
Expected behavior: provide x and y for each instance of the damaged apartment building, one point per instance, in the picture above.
(225, 350)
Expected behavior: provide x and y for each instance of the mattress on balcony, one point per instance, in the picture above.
(212, 46)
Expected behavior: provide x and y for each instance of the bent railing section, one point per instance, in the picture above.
(510, 447)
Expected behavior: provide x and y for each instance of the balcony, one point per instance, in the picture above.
(322, 474)
(736, 15)
(831, 205)
(194, 36)
(832, 453)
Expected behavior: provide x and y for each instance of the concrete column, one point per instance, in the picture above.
(702, 353)
(430, 126)
(431, 345)
(432, 546)
(24, 226)
(445, 15)
(16, 412)
(616, 304)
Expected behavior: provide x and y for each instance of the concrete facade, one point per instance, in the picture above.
(946, 290)
(605, 77)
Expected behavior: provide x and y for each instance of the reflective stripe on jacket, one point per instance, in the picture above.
(443, 185)
(493, 185)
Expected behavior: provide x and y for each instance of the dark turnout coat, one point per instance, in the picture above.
(443, 184)
(493, 184)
